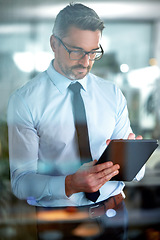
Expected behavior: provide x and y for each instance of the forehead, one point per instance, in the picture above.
(85, 39)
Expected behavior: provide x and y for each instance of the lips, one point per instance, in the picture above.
(80, 68)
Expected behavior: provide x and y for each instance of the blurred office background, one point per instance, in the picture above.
(131, 41)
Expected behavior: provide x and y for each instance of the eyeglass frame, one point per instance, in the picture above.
(85, 52)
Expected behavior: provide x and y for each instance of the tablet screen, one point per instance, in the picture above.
(131, 155)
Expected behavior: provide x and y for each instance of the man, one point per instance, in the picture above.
(44, 158)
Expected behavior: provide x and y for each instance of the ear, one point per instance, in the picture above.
(53, 43)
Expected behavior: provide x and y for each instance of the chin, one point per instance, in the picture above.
(81, 75)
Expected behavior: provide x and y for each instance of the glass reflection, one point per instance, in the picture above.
(141, 88)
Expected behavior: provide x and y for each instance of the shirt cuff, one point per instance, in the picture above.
(140, 174)
(57, 187)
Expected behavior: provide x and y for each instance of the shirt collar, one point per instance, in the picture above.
(60, 81)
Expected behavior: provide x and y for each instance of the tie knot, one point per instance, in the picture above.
(75, 87)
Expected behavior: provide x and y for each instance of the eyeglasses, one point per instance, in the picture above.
(79, 54)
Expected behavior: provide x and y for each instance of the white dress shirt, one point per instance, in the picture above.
(42, 136)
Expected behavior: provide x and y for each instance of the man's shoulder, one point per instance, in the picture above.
(32, 85)
(32, 91)
(101, 82)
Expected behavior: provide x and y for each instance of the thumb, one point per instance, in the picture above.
(92, 163)
(108, 142)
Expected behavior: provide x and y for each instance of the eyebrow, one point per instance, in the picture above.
(79, 48)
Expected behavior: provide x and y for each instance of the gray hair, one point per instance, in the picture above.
(79, 16)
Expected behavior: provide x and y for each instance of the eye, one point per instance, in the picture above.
(75, 55)
(92, 53)
(79, 52)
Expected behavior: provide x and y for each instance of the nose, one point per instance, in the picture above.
(85, 60)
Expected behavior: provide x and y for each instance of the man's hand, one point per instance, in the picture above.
(132, 136)
(90, 177)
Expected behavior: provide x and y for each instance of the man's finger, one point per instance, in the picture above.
(139, 137)
(108, 142)
(131, 136)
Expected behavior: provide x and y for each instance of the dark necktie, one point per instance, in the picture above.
(82, 130)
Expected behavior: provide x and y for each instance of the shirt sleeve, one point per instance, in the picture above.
(23, 154)
(140, 174)
(122, 127)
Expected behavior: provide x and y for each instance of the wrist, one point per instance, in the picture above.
(68, 186)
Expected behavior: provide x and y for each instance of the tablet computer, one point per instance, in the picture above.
(131, 155)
